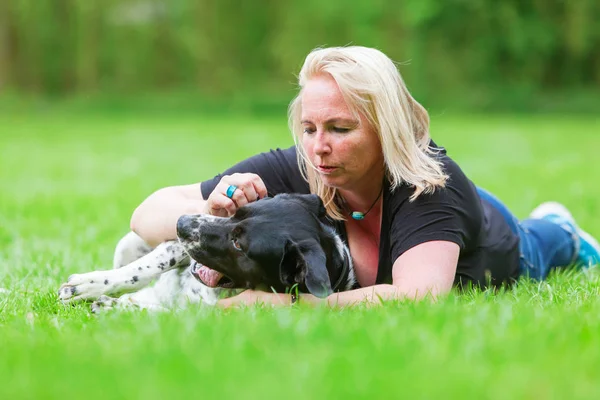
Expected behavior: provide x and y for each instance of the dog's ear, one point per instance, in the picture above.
(314, 204)
(305, 262)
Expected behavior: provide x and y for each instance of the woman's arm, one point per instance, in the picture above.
(427, 269)
(155, 220)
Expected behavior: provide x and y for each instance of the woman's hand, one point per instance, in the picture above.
(250, 187)
(251, 297)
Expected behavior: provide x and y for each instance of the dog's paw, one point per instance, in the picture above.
(126, 302)
(81, 287)
(104, 303)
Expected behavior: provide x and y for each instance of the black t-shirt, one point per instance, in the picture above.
(489, 250)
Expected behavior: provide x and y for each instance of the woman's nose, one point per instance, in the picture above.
(322, 145)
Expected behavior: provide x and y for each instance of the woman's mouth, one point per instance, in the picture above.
(326, 169)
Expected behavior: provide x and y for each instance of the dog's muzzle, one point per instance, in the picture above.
(187, 227)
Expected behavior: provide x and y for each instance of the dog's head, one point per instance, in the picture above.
(274, 242)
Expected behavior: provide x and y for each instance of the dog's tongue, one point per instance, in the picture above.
(208, 276)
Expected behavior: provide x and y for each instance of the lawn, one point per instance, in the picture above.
(69, 182)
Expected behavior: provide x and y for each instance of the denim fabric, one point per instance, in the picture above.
(543, 245)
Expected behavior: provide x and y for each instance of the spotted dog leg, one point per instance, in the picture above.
(130, 278)
(130, 248)
(165, 294)
(104, 303)
(125, 302)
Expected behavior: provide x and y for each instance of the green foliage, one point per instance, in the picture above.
(478, 52)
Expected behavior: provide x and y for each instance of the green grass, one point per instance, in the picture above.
(69, 183)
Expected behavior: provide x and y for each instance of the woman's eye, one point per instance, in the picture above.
(307, 131)
(341, 130)
(236, 245)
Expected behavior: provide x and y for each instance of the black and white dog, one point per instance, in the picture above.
(271, 244)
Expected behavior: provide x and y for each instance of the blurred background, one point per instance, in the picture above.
(476, 55)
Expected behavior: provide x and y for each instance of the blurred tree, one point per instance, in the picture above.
(482, 50)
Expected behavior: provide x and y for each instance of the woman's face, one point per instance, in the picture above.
(346, 151)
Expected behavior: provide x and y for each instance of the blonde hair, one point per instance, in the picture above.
(372, 86)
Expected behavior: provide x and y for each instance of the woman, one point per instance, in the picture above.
(415, 225)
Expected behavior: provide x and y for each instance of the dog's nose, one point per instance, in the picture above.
(185, 226)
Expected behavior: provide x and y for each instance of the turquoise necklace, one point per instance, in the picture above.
(357, 215)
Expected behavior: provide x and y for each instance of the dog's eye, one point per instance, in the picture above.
(236, 244)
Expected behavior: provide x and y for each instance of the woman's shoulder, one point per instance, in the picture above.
(456, 204)
(452, 213)
(456, 176)
(288, 154)
(457, 184)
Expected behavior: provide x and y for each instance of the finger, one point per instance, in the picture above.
(244, 184)
(236, 300)
(243, 194)
(230, 207)
(252, 185)
(239, 197)
(217, 211)
(213, 207)
(259, 186)
(224, 303)
(249, 192)
(221, 206)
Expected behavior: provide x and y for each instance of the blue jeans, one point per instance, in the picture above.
(543, 245)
